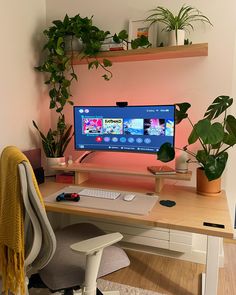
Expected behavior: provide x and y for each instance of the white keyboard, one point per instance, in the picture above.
(97, 193)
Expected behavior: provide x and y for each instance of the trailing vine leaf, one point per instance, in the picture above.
(93, 64)
(105, 76)
(107, 63)
(142, 41)
(123, 35)
(59, 49)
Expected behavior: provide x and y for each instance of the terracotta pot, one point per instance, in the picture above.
(206, 187)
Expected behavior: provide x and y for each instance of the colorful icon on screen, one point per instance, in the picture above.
(98, 139)
(139, 140)
(107, 139)
(130, 139)
(147, 140)
(114, 139)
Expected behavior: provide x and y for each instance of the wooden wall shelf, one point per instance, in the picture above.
(168, 52)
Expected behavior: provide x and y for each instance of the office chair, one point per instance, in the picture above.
(72, 258)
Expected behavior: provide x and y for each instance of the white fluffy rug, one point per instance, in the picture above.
(104, 285)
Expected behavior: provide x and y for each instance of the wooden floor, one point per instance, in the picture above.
(175, 277)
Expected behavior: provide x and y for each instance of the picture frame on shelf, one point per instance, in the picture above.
(140, 27)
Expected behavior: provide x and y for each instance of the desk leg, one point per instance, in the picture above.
(210, 278)
(159, 182)
(81, 177)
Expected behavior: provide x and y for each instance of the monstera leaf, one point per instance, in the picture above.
(166, 152)
(181, 111)
(219, 105)
(214, 166)
(207, 132)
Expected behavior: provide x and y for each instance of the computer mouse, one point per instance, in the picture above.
(129, 197)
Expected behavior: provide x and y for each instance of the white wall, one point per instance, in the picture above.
(21, 96)
(196, 80)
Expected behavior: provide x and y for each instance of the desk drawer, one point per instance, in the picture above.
(155, 233)
(146, 241)
(180, 237)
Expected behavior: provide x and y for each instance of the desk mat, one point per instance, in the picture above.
(141, 204)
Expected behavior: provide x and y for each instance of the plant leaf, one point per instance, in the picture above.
(214, 166)
(219, 105)
(231, 125)
(107, 62)
(200, 129)
(59, 49)
(166, 152)
(123, 35)
(215, 134)
(181, 111)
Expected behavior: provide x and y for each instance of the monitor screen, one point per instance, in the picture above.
(132, 128)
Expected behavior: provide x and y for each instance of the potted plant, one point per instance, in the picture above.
(176, 25)
(215, 138)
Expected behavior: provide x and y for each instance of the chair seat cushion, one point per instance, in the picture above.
(67, 268)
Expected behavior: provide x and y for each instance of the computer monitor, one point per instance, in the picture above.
(141, 129)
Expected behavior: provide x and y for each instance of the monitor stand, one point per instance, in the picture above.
(87, 154)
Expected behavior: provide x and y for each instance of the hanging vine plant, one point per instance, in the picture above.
(59, 67)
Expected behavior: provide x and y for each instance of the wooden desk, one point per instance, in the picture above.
(190, 212)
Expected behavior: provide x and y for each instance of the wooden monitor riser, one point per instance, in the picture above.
(82, 172)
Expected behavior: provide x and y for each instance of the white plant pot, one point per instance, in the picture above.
(173, 41)
(53, 162)
(181, 162)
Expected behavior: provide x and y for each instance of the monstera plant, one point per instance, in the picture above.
(215, 132)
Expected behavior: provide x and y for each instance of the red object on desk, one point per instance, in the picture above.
(65, 178)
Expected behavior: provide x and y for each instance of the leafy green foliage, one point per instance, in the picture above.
(142, 42)
(207, 132)
(182, 21)
(166, 153)
(213, 166)
(58, 66)
(181, 111)
(219, 105)
(56, 141)
(215, 137)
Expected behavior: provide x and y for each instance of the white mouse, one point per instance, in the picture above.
(129, 197)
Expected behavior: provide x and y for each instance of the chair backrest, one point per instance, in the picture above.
(40, 241)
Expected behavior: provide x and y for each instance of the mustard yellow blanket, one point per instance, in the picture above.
(11, 221)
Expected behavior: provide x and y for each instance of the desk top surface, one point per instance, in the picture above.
(189, 213)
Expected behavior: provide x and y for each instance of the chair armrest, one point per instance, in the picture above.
(95, 244)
